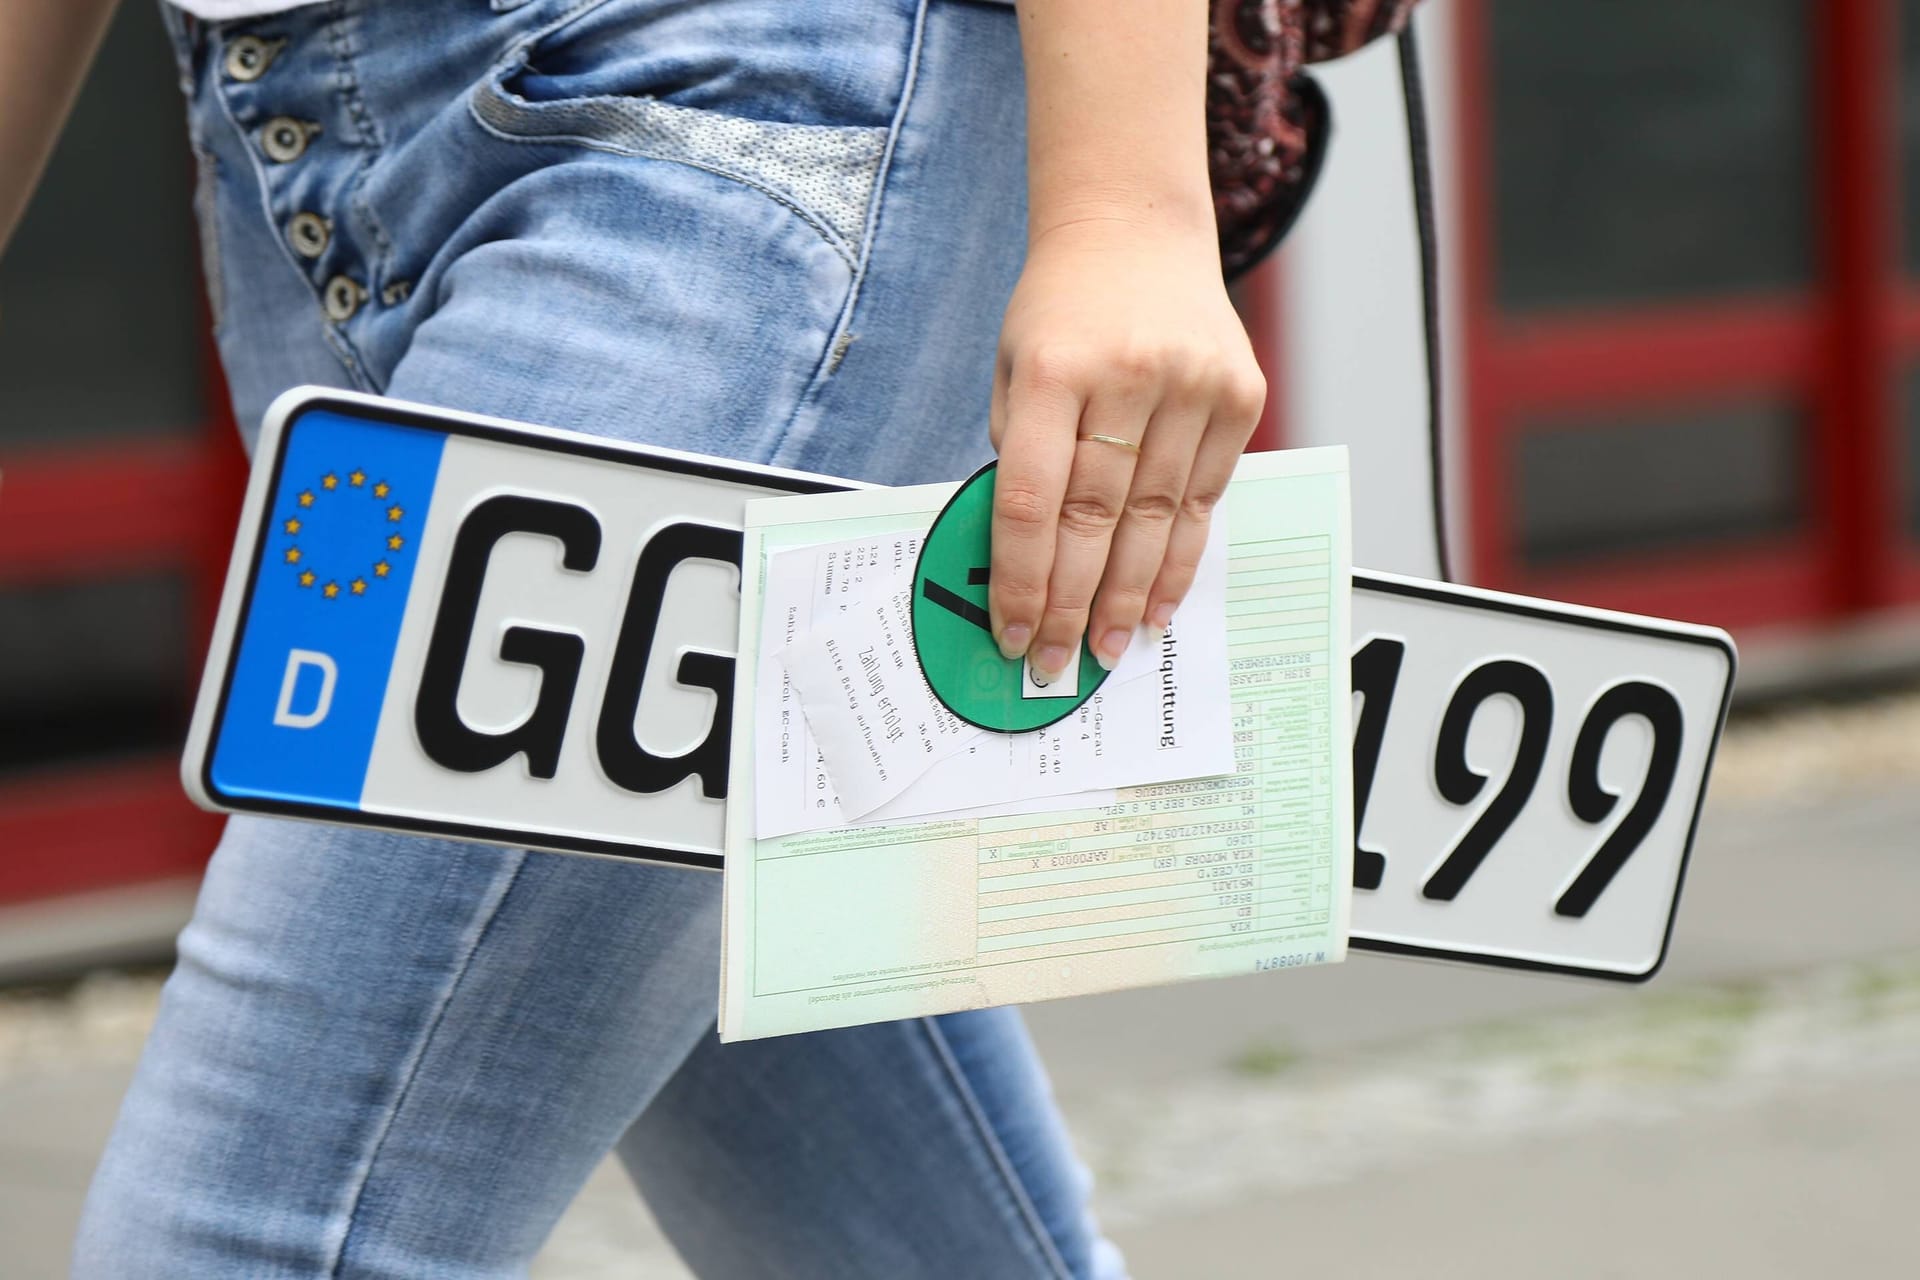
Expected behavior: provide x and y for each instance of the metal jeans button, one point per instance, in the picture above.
(309, 233)
(249, 57)
(283, 138)
(342, 298)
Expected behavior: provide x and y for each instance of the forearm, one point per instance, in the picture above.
(45, 46)
(1116, 125)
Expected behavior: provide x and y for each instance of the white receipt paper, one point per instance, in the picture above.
(939, 901)
(840, 643)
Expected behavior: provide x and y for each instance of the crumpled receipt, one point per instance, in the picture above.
(848, 732)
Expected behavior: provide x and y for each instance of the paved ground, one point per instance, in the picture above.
(1754, 1112)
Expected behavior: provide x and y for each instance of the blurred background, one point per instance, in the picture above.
(1680, 256)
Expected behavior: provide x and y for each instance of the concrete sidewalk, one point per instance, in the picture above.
(1753, 1112)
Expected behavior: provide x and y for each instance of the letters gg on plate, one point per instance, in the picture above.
(440, 623)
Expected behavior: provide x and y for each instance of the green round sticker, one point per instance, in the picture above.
(954, 640)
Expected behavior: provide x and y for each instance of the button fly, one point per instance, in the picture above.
(342, 298)
(283, 138)
(309, 233)
(249, 57)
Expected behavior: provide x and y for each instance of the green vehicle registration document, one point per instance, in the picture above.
(887, 917)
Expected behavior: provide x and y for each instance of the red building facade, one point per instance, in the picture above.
(1687, 252)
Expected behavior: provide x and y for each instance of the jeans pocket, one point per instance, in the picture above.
(627, 77)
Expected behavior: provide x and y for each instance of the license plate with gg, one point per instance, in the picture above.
(458, 626)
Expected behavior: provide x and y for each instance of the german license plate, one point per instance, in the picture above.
(457, 626)
(1527, 775)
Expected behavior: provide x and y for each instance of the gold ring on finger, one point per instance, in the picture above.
(1122, 441)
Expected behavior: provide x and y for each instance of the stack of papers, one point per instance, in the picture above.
(884, 859)
(871, 743)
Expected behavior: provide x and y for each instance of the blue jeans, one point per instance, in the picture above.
(775, 230)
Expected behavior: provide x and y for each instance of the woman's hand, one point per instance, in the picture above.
(1120, 327)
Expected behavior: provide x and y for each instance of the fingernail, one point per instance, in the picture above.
(1051, 662)
(1112, 645)
(1013, 641)
(1161, 617)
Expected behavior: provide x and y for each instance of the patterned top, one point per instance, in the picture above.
(1266, 122)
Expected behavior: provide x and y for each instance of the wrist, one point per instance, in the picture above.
(1116, 119)
(1152, 210)
(1096, 225)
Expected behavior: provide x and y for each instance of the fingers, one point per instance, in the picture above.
(1088, 531)
(1101, 474)
(1035, 428)
(1140, 540)
(1212, 468)
(1090, 509)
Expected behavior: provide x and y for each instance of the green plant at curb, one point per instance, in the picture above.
(1264, 1060)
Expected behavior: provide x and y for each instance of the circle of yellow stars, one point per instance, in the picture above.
(332, 589)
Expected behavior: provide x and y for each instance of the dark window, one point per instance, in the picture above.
(100, 315)
(1597, 486)
(95, 669)
(1648, 150)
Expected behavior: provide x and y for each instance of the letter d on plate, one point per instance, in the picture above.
(283, 714)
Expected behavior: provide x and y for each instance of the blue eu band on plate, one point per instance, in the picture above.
(325, 611)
